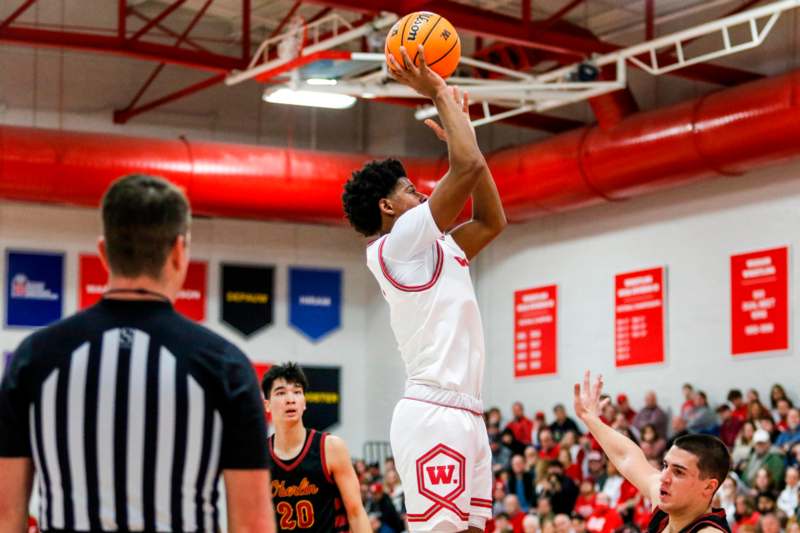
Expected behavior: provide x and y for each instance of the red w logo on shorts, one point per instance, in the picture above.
(440, 474)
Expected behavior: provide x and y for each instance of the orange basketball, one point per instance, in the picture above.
(441, 43)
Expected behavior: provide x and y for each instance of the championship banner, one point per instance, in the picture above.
(191, 301)
(323, 397)
(639, 312)
(535, 331)
(760, 301)
(315, 297)
(247, 297)
(34, 288)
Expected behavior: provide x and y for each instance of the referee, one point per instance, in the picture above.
(127, 411)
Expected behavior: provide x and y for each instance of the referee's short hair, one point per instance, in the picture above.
(142, 217)
(289, 372)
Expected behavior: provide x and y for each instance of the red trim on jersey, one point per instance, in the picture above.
(299, 459)
(370, 243)
(480, 502)
(470, 411)
(322, 457)
(413, 288)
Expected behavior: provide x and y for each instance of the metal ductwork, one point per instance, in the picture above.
(723, 133)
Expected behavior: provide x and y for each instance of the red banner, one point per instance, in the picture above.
(191, 302)
(639, 304)
(535, 347)
(760, 301)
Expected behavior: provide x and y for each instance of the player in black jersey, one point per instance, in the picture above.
(681, 492)
(314, 486)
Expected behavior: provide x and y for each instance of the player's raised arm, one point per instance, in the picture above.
(623, 452)
(466, 161)
(341, 468)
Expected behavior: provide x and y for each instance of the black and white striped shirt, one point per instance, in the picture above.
(130, 412)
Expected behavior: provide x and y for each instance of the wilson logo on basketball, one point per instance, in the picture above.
(416, 25)
(441, 474)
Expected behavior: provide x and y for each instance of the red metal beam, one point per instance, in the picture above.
(168, 31)
(122, 19)
(561, 13)
(19, 11)
(322, 12)
(111, 44)
(246, 46)
(164, 14)
(121, 117)
(649, 20)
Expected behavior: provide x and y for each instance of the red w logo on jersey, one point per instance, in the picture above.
(440, 474)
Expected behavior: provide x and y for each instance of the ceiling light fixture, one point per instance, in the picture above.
(309, 98)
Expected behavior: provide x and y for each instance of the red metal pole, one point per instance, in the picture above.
(13, 16)
(168, 31)
(246, 12)
(122, 17)
(526, 13)
(164, 14)
(649, 19)
(558, 15)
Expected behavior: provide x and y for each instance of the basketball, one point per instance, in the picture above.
(441, 43)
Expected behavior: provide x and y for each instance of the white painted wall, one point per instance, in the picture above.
(692, 231)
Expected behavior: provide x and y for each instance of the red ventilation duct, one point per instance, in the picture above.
(727, 133)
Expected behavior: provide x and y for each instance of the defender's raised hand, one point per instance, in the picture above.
(463, 101)
(420, 78)
(587, 397)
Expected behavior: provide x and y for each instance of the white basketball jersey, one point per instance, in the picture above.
(435, 317)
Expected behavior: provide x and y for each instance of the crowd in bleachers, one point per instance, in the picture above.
(550, 477)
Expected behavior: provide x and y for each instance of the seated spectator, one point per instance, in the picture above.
(570, 442)
(515, 514)
(494, 417)
(652, 445)
(562, 423)
(395, 490)
(548, 526)
(571, 470)
(789, 496)
(651, 414)
(609, 413)
(791, 435)
(531, 458)
(584, 505)
(530, 524)
(578, 524)
(738, 404)
(613, 484)
(379, 502)
(752, 396)
(768, 424)
(729, 425)
(520, 425)
(688, 400)
(521, 484)
(678, 430)
(746, 514)
(622, 425)
(763, 456)
(377, 525)
(498, 495)
(727, 498)
(756, 411)
(510, 441)
(743, 445)
(548, 447)
(625, 408)
(701, 419)
(781, 413)
(604, 519)
(769, 523)
(501, 455)
(765, 503)
(561, 490)
(544, 510)
(776, 393)
(763, 484)
(562, 523)
(597, 468)
(499, 524)
(539, 422)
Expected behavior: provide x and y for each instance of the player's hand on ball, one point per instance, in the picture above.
(587, 397)
(422, 79)
(463, 101)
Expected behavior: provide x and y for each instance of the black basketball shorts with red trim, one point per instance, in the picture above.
(444, 461)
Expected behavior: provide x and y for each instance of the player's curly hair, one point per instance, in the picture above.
(365, 188)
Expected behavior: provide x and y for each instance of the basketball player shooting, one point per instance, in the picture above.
(438, 436)
(681, 492)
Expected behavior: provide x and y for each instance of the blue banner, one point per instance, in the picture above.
(315, 297)
(34, 288)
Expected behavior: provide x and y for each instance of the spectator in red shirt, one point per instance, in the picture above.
(739, 405)
(520, 425)
(515, 514)
(548, 447)
(604, 519)
(730, 425)
(571, 470)
(688, 399)
(784, 406)
(745, 514)
(625, 408)
(584, 505)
